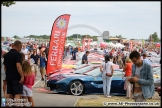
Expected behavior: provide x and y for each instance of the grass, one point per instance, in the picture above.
(98, 102)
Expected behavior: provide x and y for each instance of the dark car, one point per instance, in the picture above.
(159, 90)
(50, 83)
(88, 82)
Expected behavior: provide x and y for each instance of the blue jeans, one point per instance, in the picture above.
(106, 85)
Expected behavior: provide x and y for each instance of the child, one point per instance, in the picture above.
(3, 74)
(29, 78)
(43, 60)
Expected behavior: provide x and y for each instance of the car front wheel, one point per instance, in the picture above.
(76, 88)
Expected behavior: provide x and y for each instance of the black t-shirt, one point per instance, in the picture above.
(35, 57)
(84, 58)
(10, 60)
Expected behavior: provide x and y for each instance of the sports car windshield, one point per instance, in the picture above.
(96, 72)
(80, 66)
(82, 70)
(4, 47)
(80, 55)
(155, 60)
(156, 69)
(158, 72)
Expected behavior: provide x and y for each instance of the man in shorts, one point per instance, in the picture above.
(43, 60)
(14, 75)
(36, 59)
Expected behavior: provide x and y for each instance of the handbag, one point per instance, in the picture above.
(108, 74)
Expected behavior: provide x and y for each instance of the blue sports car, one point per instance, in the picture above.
(90, 82)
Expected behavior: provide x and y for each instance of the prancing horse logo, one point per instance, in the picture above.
(61, 23)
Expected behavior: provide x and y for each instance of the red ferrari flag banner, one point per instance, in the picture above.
(88, 44)
(83, 44)
(57, 43)
(130, 45)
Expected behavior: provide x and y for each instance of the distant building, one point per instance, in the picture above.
(25, 40)
(75, 39)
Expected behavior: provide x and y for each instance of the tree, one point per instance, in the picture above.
(154, 37)
(16, 37)
(7, 3)
(120, 36)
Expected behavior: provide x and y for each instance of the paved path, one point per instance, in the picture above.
(44, 97)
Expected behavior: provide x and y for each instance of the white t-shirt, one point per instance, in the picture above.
(106, 69)
(124, 52)
(25, 51)
(137, 89)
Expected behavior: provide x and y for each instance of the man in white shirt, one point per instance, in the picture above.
(25, 51)
(145, 59)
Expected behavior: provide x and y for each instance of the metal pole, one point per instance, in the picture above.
(77, 40)
(77, 37)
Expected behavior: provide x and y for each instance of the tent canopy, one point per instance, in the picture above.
(119, 45)
(158, 45)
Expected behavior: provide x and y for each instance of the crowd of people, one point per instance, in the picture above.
(139, 82)
(22, 63)
(19, 67)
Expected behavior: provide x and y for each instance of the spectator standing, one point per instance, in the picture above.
(142, 78)
(84, 58)
(14, 74)
(73, 54)
(25, 51)
(111, 55)
(22, 56)
(120, 62)
(107, 71)
(36, 59)
(128, 73)
(43, 60)
(29, 79)
(145, 59)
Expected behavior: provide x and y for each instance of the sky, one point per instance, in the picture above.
(135, 20)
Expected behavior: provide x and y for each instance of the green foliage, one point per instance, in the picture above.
(155, 37)
(71, 37)
(7, 3)
(16, 37)
(132, 39)
(120, 36)
(39, 37)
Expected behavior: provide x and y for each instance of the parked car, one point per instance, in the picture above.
(157, 83)
(157, 80)
(152, 54)
(154, 60)
(88, 82)
(5, 48)
(57, 76)
(159, 90)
